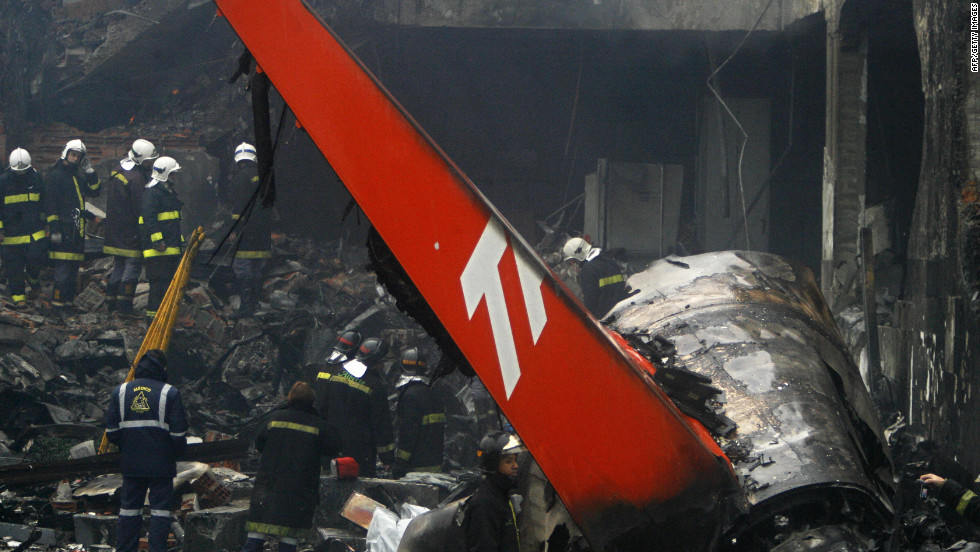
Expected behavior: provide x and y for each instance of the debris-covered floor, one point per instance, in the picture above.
(57, 370)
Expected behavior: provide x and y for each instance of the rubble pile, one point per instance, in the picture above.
(58, 368)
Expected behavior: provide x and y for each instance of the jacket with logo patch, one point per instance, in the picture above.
(146, 420)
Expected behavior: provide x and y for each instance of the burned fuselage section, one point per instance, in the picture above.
(808, 447)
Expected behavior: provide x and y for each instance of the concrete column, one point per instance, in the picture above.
(844, 168)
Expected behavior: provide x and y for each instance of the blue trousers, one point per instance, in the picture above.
(132, 497)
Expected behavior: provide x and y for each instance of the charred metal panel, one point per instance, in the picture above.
(757, 325)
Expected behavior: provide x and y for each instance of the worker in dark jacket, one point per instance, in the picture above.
(601, 279)
(958, 497)
(490, 517)
(163, 243)
(353, 399)
(22, 230)
(252, 228)
(146, 420)
(122, 236)
(287, 485)
(66, 186)
(421, 418)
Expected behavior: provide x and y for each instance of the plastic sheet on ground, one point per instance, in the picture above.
(387, 528)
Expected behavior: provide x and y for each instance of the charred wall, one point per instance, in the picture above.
(939, 313)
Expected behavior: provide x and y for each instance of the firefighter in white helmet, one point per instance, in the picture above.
(22, 232)
(251, 228)
(601, 279)
(163, 242)
(69, 181)
(122, 238)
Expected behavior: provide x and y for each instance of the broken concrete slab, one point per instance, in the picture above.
(49, 537)
(215, 529)
(95, 529)
(12, 336)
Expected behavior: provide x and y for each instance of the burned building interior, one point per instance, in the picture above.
(791, 184)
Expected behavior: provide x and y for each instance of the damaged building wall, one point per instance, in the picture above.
(937, 318)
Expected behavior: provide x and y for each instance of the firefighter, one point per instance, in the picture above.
(146, 420)
(287, 485)
(353, 399)
(490, 515)
(958, 497)
(421, 418)
(22, 231)
(66, 186)
(251, 228)
(601, 279)
(122, 238)
(163, 243)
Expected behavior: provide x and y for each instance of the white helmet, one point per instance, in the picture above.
(142, 150)
(73, 145)
(162, 168)
(576, 248)
(20, 161)
(245, 151)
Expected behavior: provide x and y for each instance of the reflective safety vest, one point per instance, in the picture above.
(64, 200)
(252, 222)
(159, 221)
(146, 420)
(124, 191)
(21, 208)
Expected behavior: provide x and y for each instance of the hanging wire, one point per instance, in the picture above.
(745, 135)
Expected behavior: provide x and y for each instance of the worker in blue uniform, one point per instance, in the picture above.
(146, 420)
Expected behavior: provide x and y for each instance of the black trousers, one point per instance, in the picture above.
(159, 272)
(24, 262)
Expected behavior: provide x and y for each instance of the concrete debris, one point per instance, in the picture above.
(215, 529)
(58, 368)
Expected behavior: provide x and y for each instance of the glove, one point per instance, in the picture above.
(159, 246)
(56, 238)
(86, 166)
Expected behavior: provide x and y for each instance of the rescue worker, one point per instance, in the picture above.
(353, 399)
(490, 515)
(421, 419)
(122, 237)
(345, 347)
(287, 485)
(252, 231)
(958, 497)
(146, 420)
(163, 243)
(22, 232)
(66, 186)
(602, 280)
